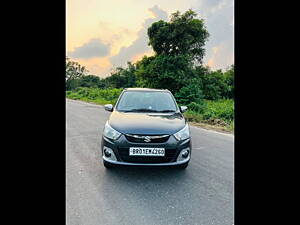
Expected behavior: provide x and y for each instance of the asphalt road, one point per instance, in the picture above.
(201, 194)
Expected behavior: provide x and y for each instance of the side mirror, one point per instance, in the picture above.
(108, 107)
(183, 108)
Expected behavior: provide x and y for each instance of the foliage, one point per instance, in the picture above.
(177, 45)
(216, 84)
(89, 81)
(219, 112)
(165, 72)
(189, 93)
(97, 95)
(122, 78)
(229, 80)
(197, 107)
(74, 71)
(223, 109)
(183, 35)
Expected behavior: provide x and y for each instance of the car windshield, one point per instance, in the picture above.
(146, 101)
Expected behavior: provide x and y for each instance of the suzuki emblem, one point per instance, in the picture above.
(147, 139)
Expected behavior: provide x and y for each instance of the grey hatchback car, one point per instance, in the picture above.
(146, 128)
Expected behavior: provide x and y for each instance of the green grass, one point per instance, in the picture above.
(218, 113)
(215, 113)
(96, 95)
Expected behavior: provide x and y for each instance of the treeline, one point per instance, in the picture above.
(211, 85)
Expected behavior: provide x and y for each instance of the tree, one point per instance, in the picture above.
(229, 80)
(74, 71)
(166, 72)
(213, 84)
(189, 93)
(183, 35)
(216, 84)
(178, 44)
(89, 81)
(122, 78)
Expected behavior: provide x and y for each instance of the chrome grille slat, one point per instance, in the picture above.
(147, 138)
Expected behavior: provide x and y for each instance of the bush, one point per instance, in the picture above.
(216, 84)
(222, 109)
(97, 95)
(196, 107)
(189, 93)
(219, 112)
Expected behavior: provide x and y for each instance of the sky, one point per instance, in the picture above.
(102, 35)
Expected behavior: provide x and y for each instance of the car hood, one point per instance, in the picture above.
(146, 123)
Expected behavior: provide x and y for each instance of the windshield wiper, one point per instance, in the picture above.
(166, 110)
(140, 110)
(148, 110)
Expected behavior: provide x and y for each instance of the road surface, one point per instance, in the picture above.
(202, 194)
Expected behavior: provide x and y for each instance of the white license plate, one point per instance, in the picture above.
(136, 151)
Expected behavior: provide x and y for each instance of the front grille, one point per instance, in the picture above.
(147, 138)
(170, 155)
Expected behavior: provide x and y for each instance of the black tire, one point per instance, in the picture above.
(107, 165)
(183, 166)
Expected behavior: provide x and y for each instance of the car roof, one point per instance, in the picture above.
(145, 89)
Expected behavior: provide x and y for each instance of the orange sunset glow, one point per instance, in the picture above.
(102, 35)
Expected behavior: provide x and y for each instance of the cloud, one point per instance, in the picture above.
(119, 42)
(97, 66)
(221, 56)
(93, 48)
(116, 36)
(140, 45)
(218, 15)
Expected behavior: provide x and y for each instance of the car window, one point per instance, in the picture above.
(146, 101)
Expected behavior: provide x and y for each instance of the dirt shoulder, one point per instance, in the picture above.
(211, 127)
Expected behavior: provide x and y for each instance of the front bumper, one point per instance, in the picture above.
(121, 147)
(146, 164)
